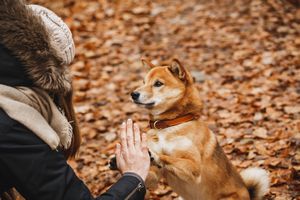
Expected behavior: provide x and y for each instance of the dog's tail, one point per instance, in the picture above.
(257, 182)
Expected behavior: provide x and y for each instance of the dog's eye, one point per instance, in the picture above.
(158, 84)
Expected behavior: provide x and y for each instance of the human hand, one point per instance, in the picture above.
(132, 154)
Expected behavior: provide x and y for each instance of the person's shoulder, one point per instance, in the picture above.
(5, 121)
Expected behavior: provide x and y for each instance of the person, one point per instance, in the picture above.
(38, 128)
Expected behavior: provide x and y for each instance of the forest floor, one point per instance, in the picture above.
(244, 55)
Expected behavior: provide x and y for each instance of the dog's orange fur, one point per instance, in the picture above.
(189, 155)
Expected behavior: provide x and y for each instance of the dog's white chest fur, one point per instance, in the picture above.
(162, 142)
(168, 142)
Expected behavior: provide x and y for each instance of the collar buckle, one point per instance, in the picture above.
(155, 123)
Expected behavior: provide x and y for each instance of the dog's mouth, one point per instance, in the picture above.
(147, 105)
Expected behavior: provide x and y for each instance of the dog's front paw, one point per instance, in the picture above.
(155, 159)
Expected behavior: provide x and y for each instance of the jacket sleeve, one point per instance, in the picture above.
(39, 173)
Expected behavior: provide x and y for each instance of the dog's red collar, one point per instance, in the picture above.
(162, 124)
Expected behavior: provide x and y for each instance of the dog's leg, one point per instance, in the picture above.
(235, 198)
(236, 195)
(184, 168)
(153, 177)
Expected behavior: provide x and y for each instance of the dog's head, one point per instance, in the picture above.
(163, 88)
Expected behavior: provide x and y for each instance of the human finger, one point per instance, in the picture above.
(144, 142)
(123, 137)
(137, 136)
(119, 156)
(129, 135)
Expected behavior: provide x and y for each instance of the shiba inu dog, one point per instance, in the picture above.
(185, 150)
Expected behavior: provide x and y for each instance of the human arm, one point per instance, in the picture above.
(40, 173)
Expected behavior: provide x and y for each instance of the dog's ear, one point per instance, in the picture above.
(147, 63)
(177, 69)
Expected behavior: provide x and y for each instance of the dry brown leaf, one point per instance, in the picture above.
(260, 132)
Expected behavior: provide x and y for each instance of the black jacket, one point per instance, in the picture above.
(26, 162)
(39, 173)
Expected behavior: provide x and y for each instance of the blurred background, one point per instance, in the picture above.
(244, 55)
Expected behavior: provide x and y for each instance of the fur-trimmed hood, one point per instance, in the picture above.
(25, 37)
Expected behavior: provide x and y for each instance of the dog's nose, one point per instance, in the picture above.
(135, 95)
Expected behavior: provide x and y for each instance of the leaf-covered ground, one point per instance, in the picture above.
(244, 55)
